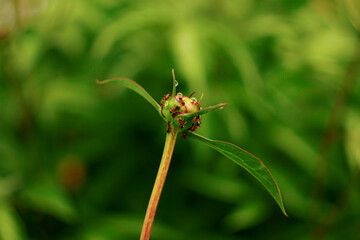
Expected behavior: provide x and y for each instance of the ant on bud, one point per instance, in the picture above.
(166, 97)
(168, 127)
(174, 109)
(172, 105)
(181, 122)
(197, 104)
(182, 101)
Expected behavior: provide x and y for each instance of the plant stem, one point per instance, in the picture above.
(159, 183)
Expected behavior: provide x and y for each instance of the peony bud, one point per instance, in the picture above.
(173, 109)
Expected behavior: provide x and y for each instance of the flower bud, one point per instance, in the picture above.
(173, 109)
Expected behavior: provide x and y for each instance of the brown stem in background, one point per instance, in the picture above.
(331, 134)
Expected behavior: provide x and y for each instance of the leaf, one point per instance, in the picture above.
(11, 227)
(203, 111)
(212, 108)
(187, 38)
(133, 86)
(48, 197)
(352, 138)
(248, 161)
(248, 214)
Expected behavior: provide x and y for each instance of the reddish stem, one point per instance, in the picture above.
(159, 183)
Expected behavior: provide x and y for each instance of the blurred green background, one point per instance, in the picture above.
(78, 160)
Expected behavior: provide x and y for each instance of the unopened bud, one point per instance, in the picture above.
(172, 107)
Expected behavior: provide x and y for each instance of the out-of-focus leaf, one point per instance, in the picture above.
(70, 41)
(326, 49)
(126, 25)
(28, 51)
(296, 147)
(112, 227)
(353, 139)
(48, 197)
(11, 154)
(89, 14)
(248, 161)
(297, 193)
(247, 215)
(223, 189)
(128, 227)
(187, 48)
(10, 226)
(7, 17)
(61, 96)
(135, 87)
(354, 9)
(239, 53)
(8, 185)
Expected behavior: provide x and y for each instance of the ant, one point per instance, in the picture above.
(168, 127)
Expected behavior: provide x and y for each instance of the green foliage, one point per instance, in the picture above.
(279, 64)
(135, 87)
(178, 111)
(248, 161)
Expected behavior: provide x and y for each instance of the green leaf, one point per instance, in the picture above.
(11, 227)
(212, 108)
(248, 161)
(133, 86)
(47, 196)
(187, 38)
(203, 111)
